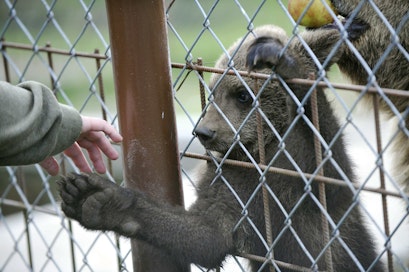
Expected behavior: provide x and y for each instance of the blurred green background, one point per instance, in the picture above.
(227, 21)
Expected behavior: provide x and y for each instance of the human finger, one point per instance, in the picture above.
(77, 156)
(102, 142)
(97, 124)
(94, 154)
(50, 165)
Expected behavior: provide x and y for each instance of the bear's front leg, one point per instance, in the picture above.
(98, 204)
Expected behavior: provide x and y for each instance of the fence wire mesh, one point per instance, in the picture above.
(41, 41)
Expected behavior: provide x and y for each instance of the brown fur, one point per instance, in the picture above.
(391, 68)
(393, 72)
(373, 43)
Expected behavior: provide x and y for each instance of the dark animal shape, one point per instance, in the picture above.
(228, 216)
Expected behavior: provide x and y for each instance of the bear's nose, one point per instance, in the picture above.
(205, 134)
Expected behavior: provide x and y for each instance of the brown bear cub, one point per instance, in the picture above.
(228, 215)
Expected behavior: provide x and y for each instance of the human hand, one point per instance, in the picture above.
(93, 139)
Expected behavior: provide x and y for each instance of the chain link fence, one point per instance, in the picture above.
(65, 45)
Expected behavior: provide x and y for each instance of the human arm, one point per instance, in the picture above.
(34, 127)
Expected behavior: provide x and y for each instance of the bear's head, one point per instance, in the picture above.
(230, 122)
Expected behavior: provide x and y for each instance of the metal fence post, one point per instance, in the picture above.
(143, 86)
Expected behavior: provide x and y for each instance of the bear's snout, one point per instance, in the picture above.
(205, 135)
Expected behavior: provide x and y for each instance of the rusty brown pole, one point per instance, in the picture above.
(143, 86)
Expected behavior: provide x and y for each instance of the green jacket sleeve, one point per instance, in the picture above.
(33, 125)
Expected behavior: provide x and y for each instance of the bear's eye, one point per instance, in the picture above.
(244, 97)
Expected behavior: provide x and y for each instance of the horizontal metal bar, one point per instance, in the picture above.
(292, 173)
(20, 205)
(49, 49)
(341, 86)
(308, 82)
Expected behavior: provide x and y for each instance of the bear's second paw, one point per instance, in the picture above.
(265, 52)
(95, 202)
